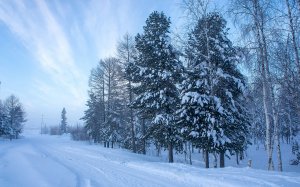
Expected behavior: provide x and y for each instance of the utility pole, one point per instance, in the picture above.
(42, 124)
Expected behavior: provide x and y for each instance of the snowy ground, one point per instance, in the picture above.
(256, 153)
(43, 161)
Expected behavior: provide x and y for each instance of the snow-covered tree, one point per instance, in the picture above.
(126, 52)
(212, 114)
(105, 116)
(115, 101)
(156, 71)
(3, 129)
(63, 123)
(14, 117)
(93, 117)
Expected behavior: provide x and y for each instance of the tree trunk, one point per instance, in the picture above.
(237, 157)
(170, 147)
(190, 153)
(158, 150)
(268, 126)
(185, 152)
(262, 56)
(131, 118)
(290, 126)
(132, 132)
(144, 138)
(242, 155)
(277, 141)
(222, 159)
(206, 157)
(215, 160)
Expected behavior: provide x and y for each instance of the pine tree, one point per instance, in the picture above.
(156, 71)
(14, 117)
(93, 118)
(212, 115)
(134, 77)
(63, 123)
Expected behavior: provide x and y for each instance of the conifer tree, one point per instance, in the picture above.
(13, 117)
(156, 72)
(126, 51)
(212, 115)
(2, 119)
(93, 118)
(63, 123)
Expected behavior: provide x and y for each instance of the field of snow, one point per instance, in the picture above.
(57, 161)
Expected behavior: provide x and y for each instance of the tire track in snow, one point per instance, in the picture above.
(47, 154)
(96, 166)
(121, 172)
(68, 162)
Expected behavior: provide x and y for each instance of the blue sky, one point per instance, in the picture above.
(48, 47)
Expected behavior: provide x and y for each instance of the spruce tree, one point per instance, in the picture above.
(156, 71)
(63, 123)
(14, 117)
(93, 118)
(212, 115)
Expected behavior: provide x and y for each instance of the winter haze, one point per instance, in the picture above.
(48, 49)
(151, 93)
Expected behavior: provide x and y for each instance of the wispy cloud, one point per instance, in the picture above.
(45, 37)
(100, 17)
(66, 39)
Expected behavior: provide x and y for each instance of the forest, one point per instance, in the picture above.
(197, 89)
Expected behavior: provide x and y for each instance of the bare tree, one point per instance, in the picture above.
(114, 97)
(292, 28)
(255, 12)
(126, 51)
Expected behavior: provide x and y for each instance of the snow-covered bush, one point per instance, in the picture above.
(78, 133)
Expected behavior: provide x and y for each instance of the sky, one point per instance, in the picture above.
(48, 48)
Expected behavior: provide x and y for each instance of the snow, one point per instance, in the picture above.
(42, 160)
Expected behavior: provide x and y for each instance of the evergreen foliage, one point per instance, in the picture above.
(63, 123)
(12, 117)
(212, 113)
(155, 74)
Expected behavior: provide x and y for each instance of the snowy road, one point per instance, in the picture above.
(43, 161)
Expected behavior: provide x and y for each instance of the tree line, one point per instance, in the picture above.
(193, 94)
